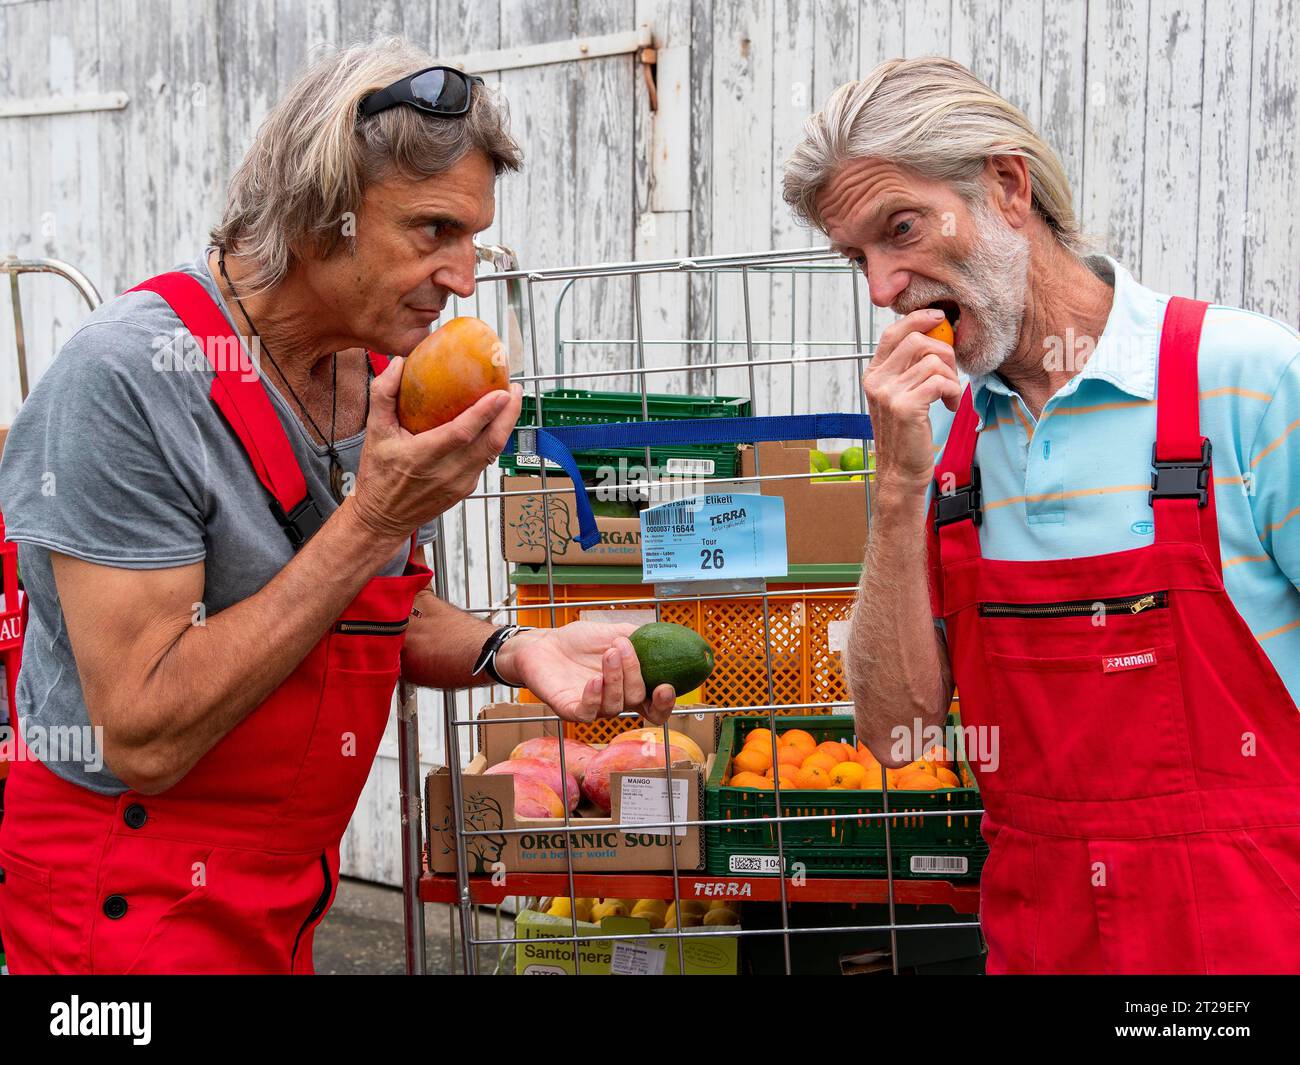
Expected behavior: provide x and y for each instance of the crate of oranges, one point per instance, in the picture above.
(822, 770)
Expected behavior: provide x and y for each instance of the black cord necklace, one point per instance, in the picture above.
(337, 486)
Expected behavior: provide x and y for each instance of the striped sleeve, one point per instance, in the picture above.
(1274, 467)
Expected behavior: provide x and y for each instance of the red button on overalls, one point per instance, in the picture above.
(1145, 814)
(230, 870)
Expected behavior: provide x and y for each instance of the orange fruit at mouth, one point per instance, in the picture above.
(448, 372)
(942, 332)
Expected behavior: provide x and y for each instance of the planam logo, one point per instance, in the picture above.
(75, 1017)
(1135, 660)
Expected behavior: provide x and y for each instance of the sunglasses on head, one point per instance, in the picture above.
(443, 91)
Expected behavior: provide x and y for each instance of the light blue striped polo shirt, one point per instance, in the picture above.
(1075, 482)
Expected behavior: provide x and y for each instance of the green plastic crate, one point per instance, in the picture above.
(850, 847)
(574, 406)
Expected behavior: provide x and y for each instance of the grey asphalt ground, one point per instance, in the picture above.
(362, 934)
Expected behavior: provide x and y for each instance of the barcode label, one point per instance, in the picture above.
(754, 863)
(936, 863)
(691, 467)
(536, 462)
(678, 516)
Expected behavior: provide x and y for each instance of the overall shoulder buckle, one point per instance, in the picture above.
(301, 523)
(1181, 479)
(960, 503)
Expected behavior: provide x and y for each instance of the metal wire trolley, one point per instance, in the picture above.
(774, 333)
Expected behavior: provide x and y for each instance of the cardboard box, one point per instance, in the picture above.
(825, 522)
(704, 955)
(522, 535)
(489, 806)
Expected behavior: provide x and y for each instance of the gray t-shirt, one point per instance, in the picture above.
(119, 457)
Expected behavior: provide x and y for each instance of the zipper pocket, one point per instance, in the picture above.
(1076, 608)
(372, 628)
(316, 910)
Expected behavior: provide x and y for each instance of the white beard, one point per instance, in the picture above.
(997, 272)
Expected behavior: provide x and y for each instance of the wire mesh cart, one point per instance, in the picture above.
(698, 868)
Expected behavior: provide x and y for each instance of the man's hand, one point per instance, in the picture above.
(407, 479)
(584, 670)
(908, 373)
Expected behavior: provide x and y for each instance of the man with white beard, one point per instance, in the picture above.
(1087, 520)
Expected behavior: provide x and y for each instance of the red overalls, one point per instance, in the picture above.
(1145, 815)
(231, 870)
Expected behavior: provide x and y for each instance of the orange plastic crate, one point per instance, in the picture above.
(803, 668)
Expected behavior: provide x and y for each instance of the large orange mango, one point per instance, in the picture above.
(448, 372)
(651, 735)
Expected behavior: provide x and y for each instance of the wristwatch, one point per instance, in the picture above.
(487, 658)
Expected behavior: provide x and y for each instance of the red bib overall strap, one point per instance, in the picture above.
(1182, 483)
(956, 500)
(243, 401)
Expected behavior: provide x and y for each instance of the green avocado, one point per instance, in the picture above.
(672, 654)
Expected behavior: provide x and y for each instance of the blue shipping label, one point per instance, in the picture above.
(714, 537)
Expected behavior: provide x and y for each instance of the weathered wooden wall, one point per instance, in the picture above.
(1175, 120)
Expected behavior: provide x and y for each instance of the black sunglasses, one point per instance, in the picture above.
(443, 91)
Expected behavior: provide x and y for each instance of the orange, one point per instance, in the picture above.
(448, 372)
(941, 755)
(948, 779)
(871, 779)
(917, 780)
(841, 752)
(750, 780)
(797, 737)
(848, 774)
(821, 760)
(919, 766)
(891, 776)
(791, 756)
(752, 760)
(943, 332)
(759, 735)
(812, 777)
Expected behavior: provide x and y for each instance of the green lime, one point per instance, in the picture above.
(672, 654)
(817, 461)
(613, 508)
(852, 459)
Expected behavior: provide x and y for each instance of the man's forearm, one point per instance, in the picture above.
(205, 678)
(894, 665)
(442, 644)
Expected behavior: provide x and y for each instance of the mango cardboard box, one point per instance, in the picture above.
(597, 848)
(540, 955)
(523, 531)
(825, 521)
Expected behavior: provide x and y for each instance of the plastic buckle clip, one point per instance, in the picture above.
(960, 503)
(301, 523)
(1180, 479)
